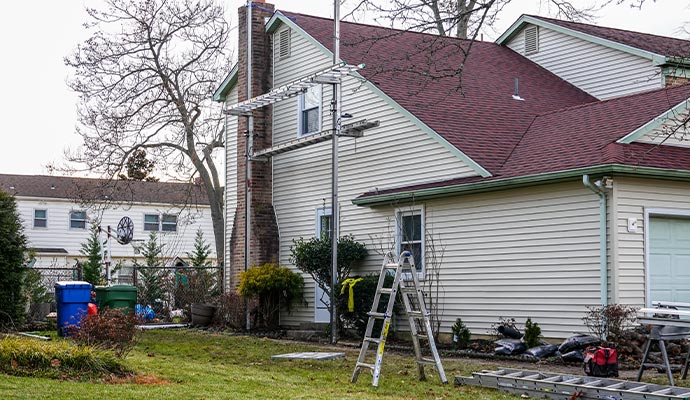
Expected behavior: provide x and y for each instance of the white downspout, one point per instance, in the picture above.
(602, 237)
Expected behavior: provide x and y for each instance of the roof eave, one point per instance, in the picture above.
(228, 83)
(516, 182)
(515, 28)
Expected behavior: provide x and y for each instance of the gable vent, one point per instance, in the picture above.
(284, 44)
(531, 39)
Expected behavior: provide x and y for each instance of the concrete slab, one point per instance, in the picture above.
(308, 355)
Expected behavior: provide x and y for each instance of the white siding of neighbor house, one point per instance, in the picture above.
(395, 154)
(632, 197)
(58, 233)
(230, 178)
(601, 71)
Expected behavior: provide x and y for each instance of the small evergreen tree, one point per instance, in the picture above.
(13, 250)
(198, 258)
(202, 283)
(92, 267)
(150, 273)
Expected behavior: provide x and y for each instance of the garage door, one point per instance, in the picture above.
(669, 259)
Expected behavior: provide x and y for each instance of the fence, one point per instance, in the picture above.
(165, 293)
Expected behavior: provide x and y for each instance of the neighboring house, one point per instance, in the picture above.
(57, 223)
(573, 192)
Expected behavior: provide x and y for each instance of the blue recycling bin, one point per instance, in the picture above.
(72, 298)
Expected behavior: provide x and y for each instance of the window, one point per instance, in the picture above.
(410, 235)
(283, 48)
(531, 39)
(169, 223)
(324, 225)
(40, 218)
(151, 222)
(77, 219)
(156, 222)
(310, 111)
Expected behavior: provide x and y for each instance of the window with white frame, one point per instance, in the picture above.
(160, 222)
(40, 218)
(324, 222)
(410, 234)
(77, 219)
(310, 111)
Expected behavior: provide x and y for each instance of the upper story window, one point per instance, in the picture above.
(531, 39)
(324, 222)
(77, 219)
(157, 222)
(310, 111)
(40, 218)
(410, 235)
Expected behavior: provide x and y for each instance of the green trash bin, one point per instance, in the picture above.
(123, 297)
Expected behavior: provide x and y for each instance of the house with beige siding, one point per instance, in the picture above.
(57, 213)
(553, 177)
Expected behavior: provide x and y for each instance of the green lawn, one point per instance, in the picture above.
(195, 365)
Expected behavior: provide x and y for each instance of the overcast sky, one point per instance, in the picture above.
(39, 112)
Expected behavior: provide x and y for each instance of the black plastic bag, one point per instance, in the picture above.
(573, 356)
(542, 351)
(509, 332)
(577, 342)
(509, 347)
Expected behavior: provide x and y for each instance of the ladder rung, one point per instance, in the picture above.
(415, 314)
(386, 290)
(640, 389)
(421, 336)
(373, 340)
(390, 266)
(377, 314)
(663, 391)
(427, 361)
(365, 365)
(408, 290)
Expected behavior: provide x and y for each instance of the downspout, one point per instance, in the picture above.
(602, 237)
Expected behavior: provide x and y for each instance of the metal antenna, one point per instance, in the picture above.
(335, 224)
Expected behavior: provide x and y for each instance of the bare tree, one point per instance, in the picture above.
(144, 80)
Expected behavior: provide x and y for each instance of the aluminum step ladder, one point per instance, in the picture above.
(406, 282)
(542, 385)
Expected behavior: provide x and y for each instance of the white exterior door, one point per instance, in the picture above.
(669, 259)
(322, 313)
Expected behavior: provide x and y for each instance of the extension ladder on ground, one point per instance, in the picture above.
(405, 280)
(564, 387)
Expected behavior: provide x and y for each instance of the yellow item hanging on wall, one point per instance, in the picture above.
(351, 282)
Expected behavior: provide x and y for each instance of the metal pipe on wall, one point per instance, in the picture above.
(335, 224)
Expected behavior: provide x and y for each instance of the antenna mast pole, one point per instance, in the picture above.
(335, 214)
(248, 141)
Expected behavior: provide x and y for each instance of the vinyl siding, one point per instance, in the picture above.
(672, 132)
(632, 196)
(230, 178)
(58, 233)
(601, 71)
(396, 153)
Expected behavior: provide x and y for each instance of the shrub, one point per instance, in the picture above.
(274, 287)
(55, 359)
(230, 311)
(313, 256)
(461, 334)
(110, 329)
(363, 294)
(609, 322)
(532, 334)
(13, 250)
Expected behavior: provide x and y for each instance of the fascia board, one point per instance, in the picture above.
(421, 125)
(655, 123)
(526, 19)
(228, 83)
(516, 182)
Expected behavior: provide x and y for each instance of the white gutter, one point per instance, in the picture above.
(602, 236)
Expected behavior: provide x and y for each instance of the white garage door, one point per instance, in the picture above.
(669, 259)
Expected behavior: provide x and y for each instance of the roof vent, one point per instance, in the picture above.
(516, 95)
(52, 186)
(284, 44)
(531, 39)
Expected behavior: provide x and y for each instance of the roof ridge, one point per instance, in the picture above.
(627, 96)
(606, 27)
(290, 13)
(84, 178)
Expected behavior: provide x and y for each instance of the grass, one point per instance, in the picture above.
(198, 365)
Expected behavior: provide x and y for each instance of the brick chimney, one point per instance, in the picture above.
(264, 229)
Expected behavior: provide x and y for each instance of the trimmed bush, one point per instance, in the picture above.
(274, 287)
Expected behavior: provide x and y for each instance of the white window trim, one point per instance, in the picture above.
(86, 220)
(143, 219)
(300, 108)
(33, 221)
(160, 219)
(655, 212)
(398, 237)
(321, 212)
